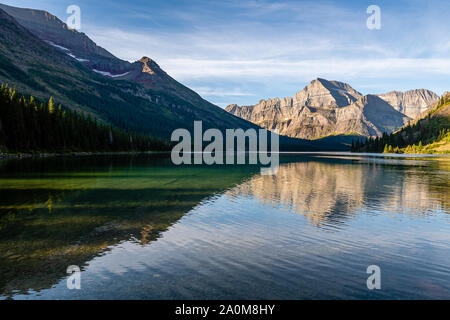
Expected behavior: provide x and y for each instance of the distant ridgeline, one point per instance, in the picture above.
(28, 125)
(430, 133)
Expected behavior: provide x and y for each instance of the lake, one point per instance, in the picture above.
(139, 227)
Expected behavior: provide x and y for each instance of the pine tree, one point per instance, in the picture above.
(51, 105)
(28, 125)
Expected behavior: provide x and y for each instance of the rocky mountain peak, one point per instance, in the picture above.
(322, 93)
(149, 66)
(145, 59)
(327, 107)
(412, 102)
(49, 28)
(232, 108)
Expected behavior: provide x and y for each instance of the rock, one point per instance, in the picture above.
(323, 93)
(411, 103)
(331, 107)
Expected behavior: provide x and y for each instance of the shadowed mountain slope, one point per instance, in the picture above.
(42, 69)
(429, 133)
(41, 56)
(411, 103)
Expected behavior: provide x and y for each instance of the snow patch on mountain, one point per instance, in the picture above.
(108, 74)
(78, 59)
(70, 54)
(56, 46)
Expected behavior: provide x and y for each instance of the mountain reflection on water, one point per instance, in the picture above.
(165, 231)
(329, 191)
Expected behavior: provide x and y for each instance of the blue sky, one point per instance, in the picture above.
(242, 51)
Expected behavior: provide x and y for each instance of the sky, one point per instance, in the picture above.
(241, 51)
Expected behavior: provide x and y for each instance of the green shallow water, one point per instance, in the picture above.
(142, 228)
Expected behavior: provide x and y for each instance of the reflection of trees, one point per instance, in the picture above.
(53, 218)
(56, 213)
(414, 187)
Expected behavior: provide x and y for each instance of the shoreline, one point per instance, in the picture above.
(5, 156)
(9, 156)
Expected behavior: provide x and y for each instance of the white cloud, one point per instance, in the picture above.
(207, 91)
(305, 69)
(238, 54)
(280, 45)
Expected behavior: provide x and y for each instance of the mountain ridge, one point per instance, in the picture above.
(81, 48)
(429, 133)
(325, 107)
(411, 102)
(49, 27)
(325, 93)
(38, 68)
(42, 69)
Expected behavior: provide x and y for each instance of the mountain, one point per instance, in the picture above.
(138, 97)
(411, 103)
(429, 133)
(51, 29)
(81, 48)
(65, 131)
(151, 103)
(321, 93)
(324, 108)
